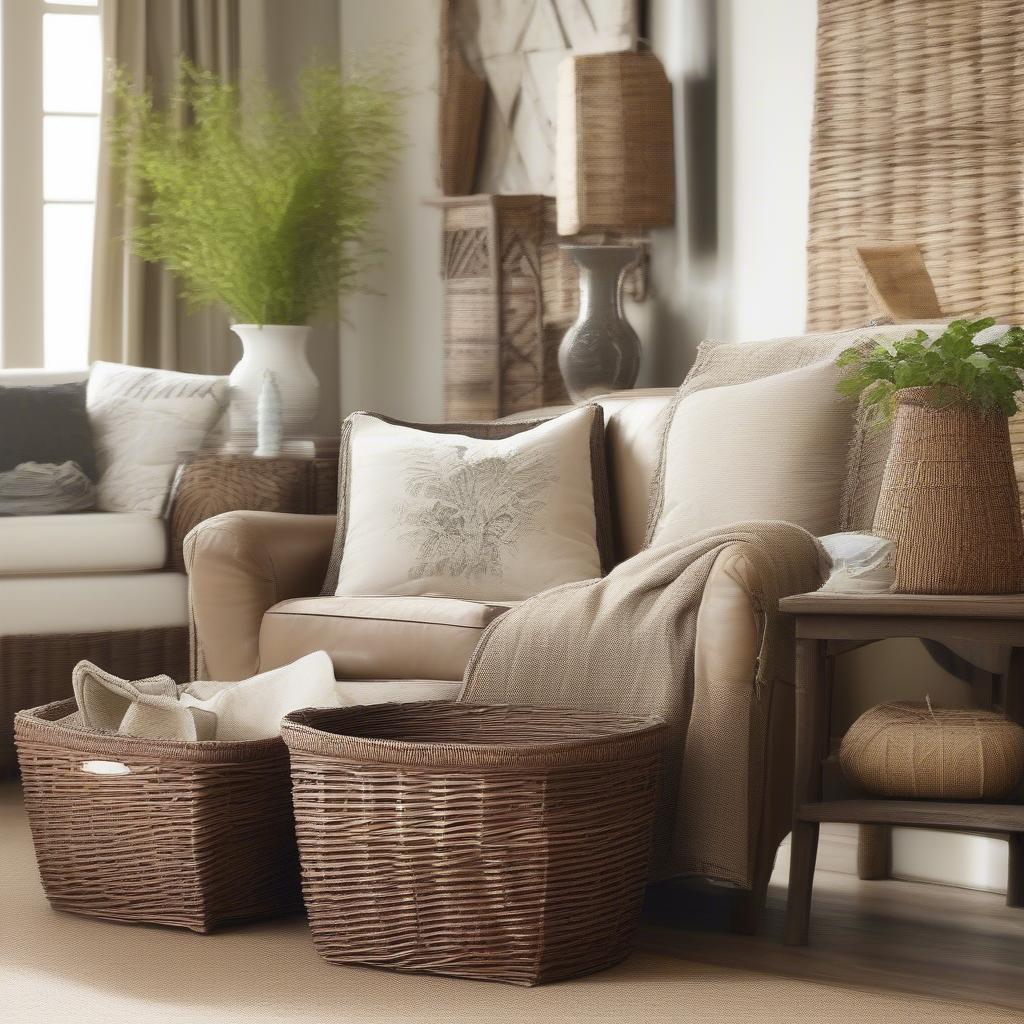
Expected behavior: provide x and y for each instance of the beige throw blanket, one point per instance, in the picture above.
(625, 643)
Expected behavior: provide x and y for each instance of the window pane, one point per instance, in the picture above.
(72, 63)
(70, 147)
(67, 283)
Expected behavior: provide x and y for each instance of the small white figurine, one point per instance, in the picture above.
(268, 417)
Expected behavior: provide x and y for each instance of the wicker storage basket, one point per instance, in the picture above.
(910, 750)
(194, 835)
(500, 843)
(949, 499)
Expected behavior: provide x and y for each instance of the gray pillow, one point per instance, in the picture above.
(46, 424)
(34, 489)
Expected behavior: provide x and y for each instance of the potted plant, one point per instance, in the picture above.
(264, 208)
(949, 496)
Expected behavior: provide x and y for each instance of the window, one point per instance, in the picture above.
(52, 82)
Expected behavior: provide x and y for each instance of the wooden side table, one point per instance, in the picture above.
(826, 626)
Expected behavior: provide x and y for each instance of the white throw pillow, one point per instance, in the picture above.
(145, 424)
(432, 513)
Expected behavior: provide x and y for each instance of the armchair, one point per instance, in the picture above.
(254, 577)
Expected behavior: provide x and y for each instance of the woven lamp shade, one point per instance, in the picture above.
(913, 751)
(614, 165)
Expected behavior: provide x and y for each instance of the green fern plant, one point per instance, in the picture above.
(266, 209)
(954, 365)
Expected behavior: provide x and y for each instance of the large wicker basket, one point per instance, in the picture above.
(949, 498)
(500, 843)
(194, 835)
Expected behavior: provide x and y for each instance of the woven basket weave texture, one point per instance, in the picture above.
(910, 750)
(36, 669)
(196, 835)
(499, 843)
(949, 499)
(921, 143)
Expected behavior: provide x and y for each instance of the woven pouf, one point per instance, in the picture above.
(911, 750)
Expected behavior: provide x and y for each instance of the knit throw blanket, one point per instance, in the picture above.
(625, 643)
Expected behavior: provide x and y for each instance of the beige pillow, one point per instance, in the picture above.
(759, 431)
(502, 515)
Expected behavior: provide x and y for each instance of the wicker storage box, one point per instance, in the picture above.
(194, 835)
(500, 843)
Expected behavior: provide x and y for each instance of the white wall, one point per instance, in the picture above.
(766, 102)
(391, 348)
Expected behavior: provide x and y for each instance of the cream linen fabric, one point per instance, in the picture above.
(625, 643)
(447, 515)
(769, 448)
(241, 710)
(145, 424)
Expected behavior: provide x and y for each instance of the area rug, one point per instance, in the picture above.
(57, 968)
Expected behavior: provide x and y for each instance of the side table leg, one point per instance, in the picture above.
(1015, 875)
(1013, 707)
(874, 852)
(802, 856)
(813, 704)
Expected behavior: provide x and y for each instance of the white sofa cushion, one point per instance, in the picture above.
(82, 542)
(92, 604)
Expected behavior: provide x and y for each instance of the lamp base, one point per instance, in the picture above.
(601, 351)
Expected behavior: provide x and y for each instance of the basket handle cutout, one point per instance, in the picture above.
(105, 768)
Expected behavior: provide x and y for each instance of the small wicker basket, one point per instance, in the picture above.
(194, 835)
(500, 843)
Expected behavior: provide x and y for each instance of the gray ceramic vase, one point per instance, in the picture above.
(600, 352)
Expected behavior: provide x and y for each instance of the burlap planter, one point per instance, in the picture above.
(949, 499)
(913, 751)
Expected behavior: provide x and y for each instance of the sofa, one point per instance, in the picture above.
(254, 577)
(90, 585)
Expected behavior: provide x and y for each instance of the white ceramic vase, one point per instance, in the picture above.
(282, 351)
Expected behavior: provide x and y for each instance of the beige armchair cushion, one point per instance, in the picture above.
(378, 637)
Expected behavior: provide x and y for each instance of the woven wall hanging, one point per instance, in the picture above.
(918, 137)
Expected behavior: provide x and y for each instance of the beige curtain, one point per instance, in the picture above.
(137, 316)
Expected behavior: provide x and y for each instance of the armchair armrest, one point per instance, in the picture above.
(740, 741)
(239, 565)
(214, 482)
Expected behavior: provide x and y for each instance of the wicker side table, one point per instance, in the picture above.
(216, 482)
(826, 626)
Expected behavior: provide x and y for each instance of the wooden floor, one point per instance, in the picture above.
(890, 935)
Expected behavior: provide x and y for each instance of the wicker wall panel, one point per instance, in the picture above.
(918, 137)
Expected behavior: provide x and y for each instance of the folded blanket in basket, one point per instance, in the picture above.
(247, 709)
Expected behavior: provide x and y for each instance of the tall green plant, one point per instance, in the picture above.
(956, 364)
(264, 208)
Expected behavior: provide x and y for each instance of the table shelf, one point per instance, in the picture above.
(981, 817)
